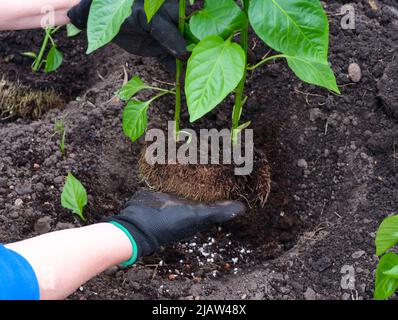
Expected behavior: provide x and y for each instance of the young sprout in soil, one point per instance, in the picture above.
(54, 57)
(60, 129)
(74, 196)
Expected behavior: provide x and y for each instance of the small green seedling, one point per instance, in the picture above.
(54, 57)
(60, 128)
(387, 269)
(74, 196)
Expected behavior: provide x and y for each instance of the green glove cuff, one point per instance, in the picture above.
(134, 255)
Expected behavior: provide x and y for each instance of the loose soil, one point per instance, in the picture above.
(333, 161)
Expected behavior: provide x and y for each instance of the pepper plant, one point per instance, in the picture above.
(297, 29)
(51, 58)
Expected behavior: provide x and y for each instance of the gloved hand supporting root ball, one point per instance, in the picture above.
(151, 220)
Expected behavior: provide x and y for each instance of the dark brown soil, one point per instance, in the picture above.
(333, 161)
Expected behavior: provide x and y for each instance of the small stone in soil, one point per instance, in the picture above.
(322, 264)
(64, 225)
(3, 182)
(358, 254)
(39, 187)
(355, 72)
(14, 215)
(59, 180)
(43, 225)
(23, 190)
(310, 294)
(18, 202)
(302, 163)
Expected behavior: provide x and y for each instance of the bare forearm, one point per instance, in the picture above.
(65, 260)
(25, 14)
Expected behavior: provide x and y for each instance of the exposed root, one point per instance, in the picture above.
(209, 183)
(17, 100)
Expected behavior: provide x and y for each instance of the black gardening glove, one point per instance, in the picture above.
(159, 38)
(155, 219)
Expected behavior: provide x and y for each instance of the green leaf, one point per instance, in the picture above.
(151, 7)
(313, 72)
(189, 36)
(135, 119)
(74, 196)
(300, 30)
(393, 272)
(221, 18)
(105, 20)
(72, 30)
(214, 70)
(131, 88)
(54, 60)
(191, 46)
(387, 235)
(30, 54)
(293, 27)
(385, 285)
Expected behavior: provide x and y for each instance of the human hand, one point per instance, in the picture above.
(159, 38)
(156, 219)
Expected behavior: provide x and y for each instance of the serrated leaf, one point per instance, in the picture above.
(131, 88)
(151, 7)
(385, 285)
(293, 27)
(221, 18)
(53, 60)
(215, 69)
(313, 72)
(135, 119)
(105, 20)
(74, 196)
(387, 235)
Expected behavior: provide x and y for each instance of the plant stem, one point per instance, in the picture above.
(250, 68)
(180, 66)
(37, 64)
(244, 42)
(162, 90)
(158, 96)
